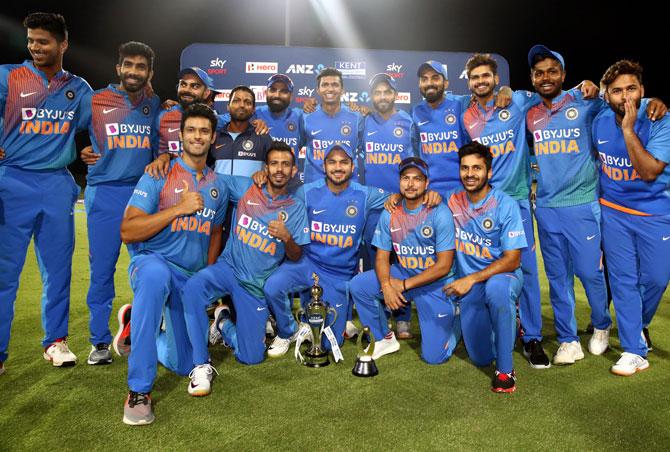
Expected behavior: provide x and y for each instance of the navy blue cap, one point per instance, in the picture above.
(414, 162)
(436, 66)
(383, 78)
(342, 147)
(545, 51)
(281, 78)
(202, 75)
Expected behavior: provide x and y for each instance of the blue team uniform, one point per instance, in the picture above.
(635, 222)
(567, 212)
(161, 265)
(484, 231)
(321, 131)
(336, 222)
(287, 127)
(38, 121)
(250, 257)
(121, 133)
(504, 131)
(416, 236)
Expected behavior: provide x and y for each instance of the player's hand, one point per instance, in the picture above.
(393, 297)
(392, 202)
(504, 97)
(260, 178)
(277, 229)
(310, 105)
(88, 156)
(656, 109)
(2, 153)
(260, 126)
(589, 89)
(459, 287)
(191, 201)
(630, 115)
(168, 104)
(431, 198)
(159, 167)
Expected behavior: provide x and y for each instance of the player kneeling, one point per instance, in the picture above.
(489, 239)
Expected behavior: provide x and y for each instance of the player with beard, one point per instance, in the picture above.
(423, 241)
(40, 111)
(489, 239)
(270, 224)
(120, 119)
(634, 187)
(173, 228)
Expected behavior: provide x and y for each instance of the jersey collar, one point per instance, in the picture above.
(205, 170)
(29, 64)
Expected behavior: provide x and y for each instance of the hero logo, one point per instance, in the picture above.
(216, 66)
(112, 129)
(262, 67)
(304, 69)
(260, 92)
(403, 98)
(394, 70)
(223, 96)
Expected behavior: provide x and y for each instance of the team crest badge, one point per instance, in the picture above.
(450, 119)
(283, 215)
(290, 126)
(69, 94)
(214, 193)
(351, 211)
(247, 145)
(398, 132)
(571, 113)
(504, 115)
(427, 231)
(487, 224)
(345, 130)
(146, 110)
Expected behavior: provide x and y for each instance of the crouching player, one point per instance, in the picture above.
(489, 240)
(171, 223)
(423, 240)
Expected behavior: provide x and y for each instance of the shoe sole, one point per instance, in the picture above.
(117, 337)
(621, 374)
(59, 363)
(101, 362)
(386, 352)
(200, 393)
(504, 391)
(535, 366)
(140, 422)
(276, 355)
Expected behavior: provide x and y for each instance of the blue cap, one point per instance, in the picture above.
(544, 51)
(202, 75)
(414, 162)
(342, 147)
(281, 78)
(434, 65)
(383, 78)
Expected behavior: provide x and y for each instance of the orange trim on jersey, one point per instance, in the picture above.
(623, 209)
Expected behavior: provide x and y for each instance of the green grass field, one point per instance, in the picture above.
(280, 405)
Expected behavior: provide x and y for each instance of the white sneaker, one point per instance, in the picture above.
(280, 346)
(568, 353)
(350, 330)
(599, 341)
(629, 364)
(215, 335)
(386, 346)
(60, 355)
(201, 380)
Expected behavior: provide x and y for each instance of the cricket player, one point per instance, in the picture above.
(635, 198)
(423, 240)
(489, 239)
(172, 224)
(40, 111)
(120, 120)
(269, 225)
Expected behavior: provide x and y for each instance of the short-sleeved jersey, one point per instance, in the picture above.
(484, 231)
(337, 221)
(384, 144)
(620, 185)
(321, 131)
(184, 243)
(167, 126)
(287, 127)
(416, 236)
(562, 143)
(440, 134)
(39, 117)
(251, 251)
(503, 130)
(242, 155)
(121, 132)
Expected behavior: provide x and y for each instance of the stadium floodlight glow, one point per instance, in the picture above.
(337, 23)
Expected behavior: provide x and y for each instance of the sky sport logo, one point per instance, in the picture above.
(261, 67)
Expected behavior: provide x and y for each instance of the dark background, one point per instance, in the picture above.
(589, 37)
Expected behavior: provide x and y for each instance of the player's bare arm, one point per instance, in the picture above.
(648, 167)
(440, 269)
(392, 288)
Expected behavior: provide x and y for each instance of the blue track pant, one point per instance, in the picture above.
(530, 305)
(39, 205)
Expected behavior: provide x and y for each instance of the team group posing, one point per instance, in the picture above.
(442, 205)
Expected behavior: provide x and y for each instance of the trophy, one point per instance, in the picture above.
(365, 366)
(316, 313)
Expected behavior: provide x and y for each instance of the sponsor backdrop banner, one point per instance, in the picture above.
(231, 65)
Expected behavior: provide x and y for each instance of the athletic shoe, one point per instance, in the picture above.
(121, 342)
(386, 346)
(201, 380)
(280, 346)
(599, 342)
(137, 410)
(568, 353)
(647, 339)
(2, 368)
(100, 354)
(535, 353)
(221, 313)
(402, 330)
(504, 382)
(59, 354)
(350, 330)
(629, 364)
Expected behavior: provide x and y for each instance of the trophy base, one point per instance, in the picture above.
(316, 359)
(365, 367)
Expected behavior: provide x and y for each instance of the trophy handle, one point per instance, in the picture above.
(299, 314)
(359, 343)
(334, 312)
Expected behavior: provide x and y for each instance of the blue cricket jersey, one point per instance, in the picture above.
(185, 242)
(121, 132)
(39, 118)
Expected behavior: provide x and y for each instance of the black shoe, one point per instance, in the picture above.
(504, 382)
(647, 339)
(589, 328)
(535, 353)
